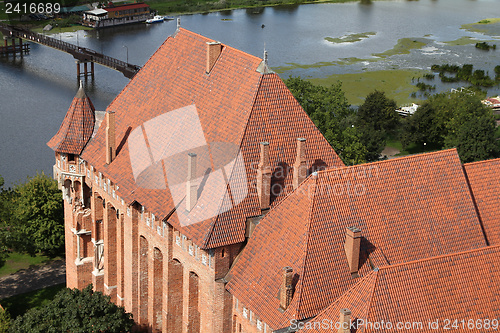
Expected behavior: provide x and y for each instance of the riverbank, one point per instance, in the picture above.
(182, 7)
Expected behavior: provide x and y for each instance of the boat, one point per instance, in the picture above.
(169, 18)
(156, 19)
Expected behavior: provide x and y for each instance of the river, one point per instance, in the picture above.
(36, 90)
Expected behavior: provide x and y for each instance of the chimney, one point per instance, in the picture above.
(191, 186)
(213, 51)
(286, 288)
(352, 248)
(264, 176)
(345, 321)
(110, 137)
(300, 167)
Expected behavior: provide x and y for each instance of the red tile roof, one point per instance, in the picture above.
(126, 7)
(235, 106)
(484, 180)
(462, 286)
(408, 208)
(77, 126)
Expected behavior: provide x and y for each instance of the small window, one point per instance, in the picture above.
(223, 253)
(203, 259)
(71, 157)
(191, 250)
(245, 313)
(259, 324)
(178, 240)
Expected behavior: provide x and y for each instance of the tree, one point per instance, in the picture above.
(377, 120)
(423, 128)
(4, 320)
(475, 140)
(458, 120)
(38, 215)
(75, 311)
(330, 111)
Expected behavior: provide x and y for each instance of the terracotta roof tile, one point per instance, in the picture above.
(460, 286)
(172, 103)
(77, 126)
(407, 208)
(484, 180)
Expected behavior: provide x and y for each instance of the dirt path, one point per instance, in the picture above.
(33, 278)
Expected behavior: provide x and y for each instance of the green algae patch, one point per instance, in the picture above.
(404, 46)
(352, 38)
(489, 26)
(341, 62)
(396, 84)
(465, 40)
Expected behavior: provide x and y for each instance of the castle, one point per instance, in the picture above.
(204, 199)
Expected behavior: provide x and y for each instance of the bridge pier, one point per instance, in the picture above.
(85, 73)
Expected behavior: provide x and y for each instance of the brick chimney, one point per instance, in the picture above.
(286, 288)
(213, 51)
(345, 321)
(191, 185)
(352, 248)
(110, 137)
(264, 176)
(300, 167)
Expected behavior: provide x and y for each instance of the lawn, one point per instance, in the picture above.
(19, 304)
(397, 84)
(16, 261)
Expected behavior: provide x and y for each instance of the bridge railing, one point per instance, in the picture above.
(80, 53)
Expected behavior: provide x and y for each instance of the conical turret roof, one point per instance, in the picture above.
(77, 126)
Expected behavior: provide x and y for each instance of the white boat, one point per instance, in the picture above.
(156, 19)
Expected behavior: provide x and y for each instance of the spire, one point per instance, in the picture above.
(77, 126)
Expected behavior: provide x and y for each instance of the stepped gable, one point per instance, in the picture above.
(77, 126)
(484, 181)
(222, 111)
(407, 209)
(458, 286)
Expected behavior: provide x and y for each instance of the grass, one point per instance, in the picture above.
(404, 46)
(489, 26)
(396, 84)
(465, 40)
(19, 304)
(351, 38)
(17, 261)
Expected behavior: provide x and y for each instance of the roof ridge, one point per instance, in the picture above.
(376, 272)
(225, 45)
(483, 161)
(449, 255)
(413, 156)
(306, 247)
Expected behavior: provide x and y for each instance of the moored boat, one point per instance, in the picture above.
(156, 19)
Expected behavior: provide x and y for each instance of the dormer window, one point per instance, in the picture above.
(71, 157)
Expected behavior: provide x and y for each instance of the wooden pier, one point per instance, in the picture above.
(81, 54)
(14, 48)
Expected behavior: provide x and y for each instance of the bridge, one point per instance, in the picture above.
(81, 54)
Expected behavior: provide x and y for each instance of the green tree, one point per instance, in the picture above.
(423, 128)
(377, 120)
(330, 111)
(4, 320)
(458, 120)
(38, 215)
(75, 311)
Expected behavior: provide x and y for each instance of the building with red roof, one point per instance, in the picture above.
(201, 143)
(204, 199)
